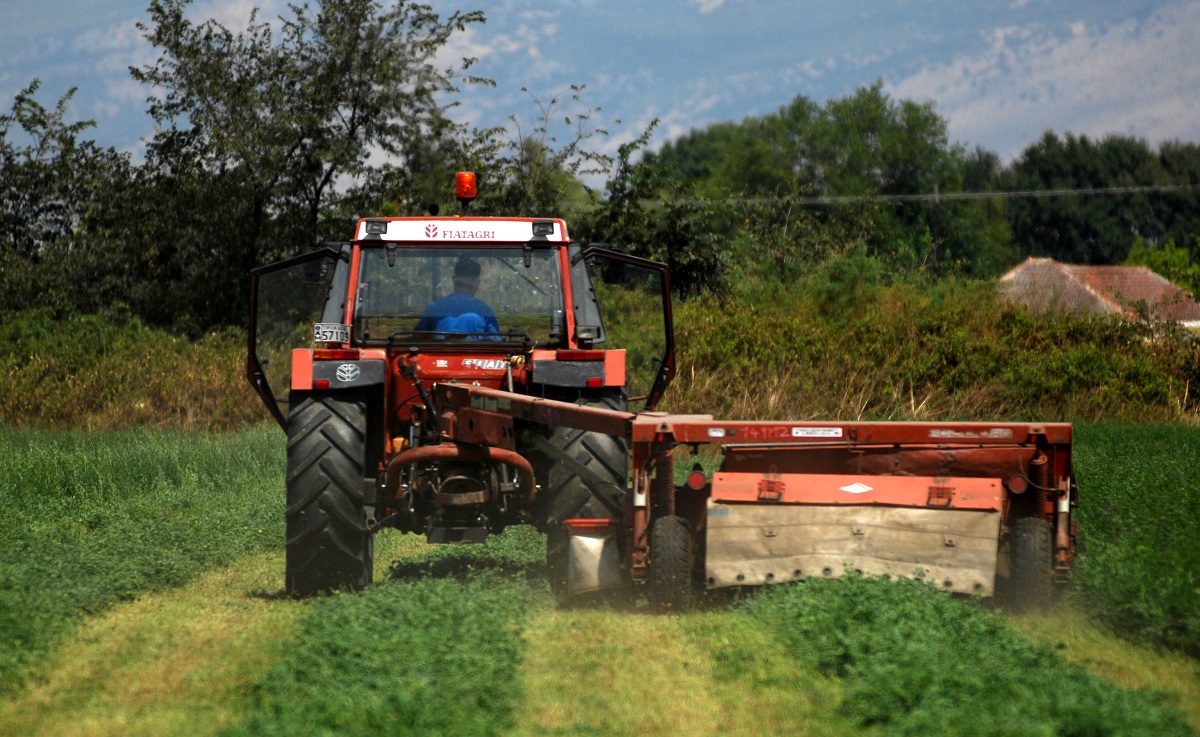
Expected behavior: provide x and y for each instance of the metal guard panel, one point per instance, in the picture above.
(756, 544)
(349, 374)
(859, 490)
(562, 373)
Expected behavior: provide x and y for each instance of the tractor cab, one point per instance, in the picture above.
(511, 303)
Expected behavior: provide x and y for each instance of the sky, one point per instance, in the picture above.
(1000, 73)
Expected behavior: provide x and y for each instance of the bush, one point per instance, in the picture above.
(111, 371)
(951, 350)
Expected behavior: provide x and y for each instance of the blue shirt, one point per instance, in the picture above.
(441, 315)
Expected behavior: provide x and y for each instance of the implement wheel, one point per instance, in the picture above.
(671, 564)
(1031, 585)
(327, 547)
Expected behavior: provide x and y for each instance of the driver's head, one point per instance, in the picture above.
(466, 274)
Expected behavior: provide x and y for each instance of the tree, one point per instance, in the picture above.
(536, 172)
(864, 146)
(674, 232)
(1179, 210)
(1169, 261)
(54, 188)
(276, 120)
(1087, 229)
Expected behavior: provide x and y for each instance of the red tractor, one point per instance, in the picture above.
(452, 376)
(365, 449)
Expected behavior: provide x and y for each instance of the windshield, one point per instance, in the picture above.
(458, 294)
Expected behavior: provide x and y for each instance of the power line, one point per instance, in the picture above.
(941, 197)
(851, 199)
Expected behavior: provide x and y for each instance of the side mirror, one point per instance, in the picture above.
(585, 334)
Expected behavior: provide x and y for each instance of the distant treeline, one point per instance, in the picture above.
(268, 139)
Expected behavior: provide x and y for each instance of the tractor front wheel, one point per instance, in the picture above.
(1031, 585)
(327, 545)
(671, 563)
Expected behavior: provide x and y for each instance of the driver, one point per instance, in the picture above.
(460, 311)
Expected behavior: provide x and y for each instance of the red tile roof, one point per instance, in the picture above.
(1046, 285)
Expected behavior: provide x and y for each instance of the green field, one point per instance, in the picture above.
(140, 593)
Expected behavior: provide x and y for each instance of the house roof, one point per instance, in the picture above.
(1047, 285)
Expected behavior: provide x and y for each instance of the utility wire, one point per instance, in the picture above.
(940, 197)
(850, 199)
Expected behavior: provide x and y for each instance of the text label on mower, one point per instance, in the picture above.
(999, 433)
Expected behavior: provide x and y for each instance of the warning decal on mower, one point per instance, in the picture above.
(816, 432)
(856, 488)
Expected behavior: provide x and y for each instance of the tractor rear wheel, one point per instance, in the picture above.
(327, 545)
(671, 563)
(565, 496)
(1031, 585)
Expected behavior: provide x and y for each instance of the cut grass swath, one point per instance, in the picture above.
(917, 662)
(433, 651)
(90, 519)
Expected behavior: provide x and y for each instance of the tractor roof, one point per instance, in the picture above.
(442, 229)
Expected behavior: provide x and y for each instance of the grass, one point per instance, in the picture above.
(178, 662)
(916, 662)
(117, 602)
(91, 519)
(601, 671)
(181, 661)
(1079, 639)
(433, 651)
(467, 640)
(1139, 519)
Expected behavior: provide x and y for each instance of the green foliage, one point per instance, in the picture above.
(1168, 261)
(676, 232)
(847, 342)
(435, 651)
(100, 371)
(812, 182)
(785, 238)
(1139, 517)
(863, 143)
(1096, 230)
(55, 191)
(538, 172)
(294, 114)
(917, 662)
(843, 287)
(255, 129)
(90, 519)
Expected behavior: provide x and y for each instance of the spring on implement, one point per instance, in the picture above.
(662, 497)
(1039, 473)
